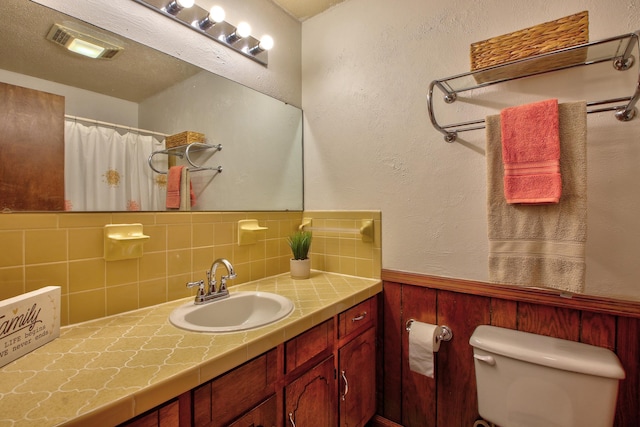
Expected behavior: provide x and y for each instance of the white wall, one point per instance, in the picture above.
(366, 67)
(80, 102)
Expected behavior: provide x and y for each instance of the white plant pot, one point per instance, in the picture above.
(300, 268)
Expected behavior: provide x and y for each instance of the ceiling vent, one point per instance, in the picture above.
(82, 43)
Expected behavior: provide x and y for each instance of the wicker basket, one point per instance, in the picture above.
(548, 37)
(183, 138)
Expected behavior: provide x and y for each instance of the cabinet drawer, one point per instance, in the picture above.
(307, 345)
(356, 317)
(223, 399)
(264, 415)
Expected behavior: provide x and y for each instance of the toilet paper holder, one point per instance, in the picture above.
(445, 334)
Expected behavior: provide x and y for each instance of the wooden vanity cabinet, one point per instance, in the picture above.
(323, 377)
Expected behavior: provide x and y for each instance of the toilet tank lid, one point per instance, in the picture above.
(547, 351)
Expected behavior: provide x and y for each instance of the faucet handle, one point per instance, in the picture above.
(200, 294)
(223, 282)
(199, 284)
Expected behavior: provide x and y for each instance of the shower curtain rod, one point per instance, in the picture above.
(129, 128)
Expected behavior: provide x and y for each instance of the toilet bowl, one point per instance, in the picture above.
(529, 380)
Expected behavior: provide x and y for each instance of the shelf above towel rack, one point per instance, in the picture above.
(184, 151)
(616, 49)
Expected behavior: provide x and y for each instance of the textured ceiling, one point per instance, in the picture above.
(305, 9)
(135, 74)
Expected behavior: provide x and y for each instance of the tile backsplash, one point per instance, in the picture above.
(66, 249)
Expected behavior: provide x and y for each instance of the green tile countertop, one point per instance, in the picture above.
(109, 370)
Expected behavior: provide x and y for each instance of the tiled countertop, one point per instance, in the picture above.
(109, 370)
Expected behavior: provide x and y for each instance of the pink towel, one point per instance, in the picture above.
(174, 188)
(531, 153)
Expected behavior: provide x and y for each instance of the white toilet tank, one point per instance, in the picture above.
(529, 380)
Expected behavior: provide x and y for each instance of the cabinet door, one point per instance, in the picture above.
(309, 400)
(222, 400)
(357, 373)
(262, 416)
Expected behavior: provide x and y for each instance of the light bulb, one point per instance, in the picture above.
(85, 48)
(243, 30)
(175, 6)
(266, 42)
(216, 14)
(186, 3)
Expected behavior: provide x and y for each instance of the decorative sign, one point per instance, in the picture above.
(28, 321)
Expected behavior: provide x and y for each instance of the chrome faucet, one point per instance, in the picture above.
(211, 293)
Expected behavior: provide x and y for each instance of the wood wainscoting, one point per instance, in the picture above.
(450, 400)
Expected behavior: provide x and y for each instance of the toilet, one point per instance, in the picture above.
(529, 380)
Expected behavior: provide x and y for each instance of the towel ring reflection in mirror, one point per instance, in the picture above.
(184, 152)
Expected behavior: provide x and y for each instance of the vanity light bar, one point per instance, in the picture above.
(211, 24)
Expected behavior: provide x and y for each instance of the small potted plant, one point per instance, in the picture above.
(300, 264)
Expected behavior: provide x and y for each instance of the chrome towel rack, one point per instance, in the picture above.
(184, 151)
(616, 49)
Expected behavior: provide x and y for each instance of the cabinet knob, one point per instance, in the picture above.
(293, 423)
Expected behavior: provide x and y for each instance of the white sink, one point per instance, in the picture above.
(238, 312)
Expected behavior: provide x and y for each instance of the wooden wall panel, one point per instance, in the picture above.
(598, 329)
(504, 313)
(555, 322)
(391, 338)
(628, 350)
(418, 391)
(457, 398)
(614, 326)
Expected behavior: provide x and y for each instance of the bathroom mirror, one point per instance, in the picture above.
(144, 89)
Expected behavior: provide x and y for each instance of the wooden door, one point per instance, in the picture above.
(357, 374)
(309, 400)
(31, 150)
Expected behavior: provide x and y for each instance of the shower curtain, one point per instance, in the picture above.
(106, 169)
